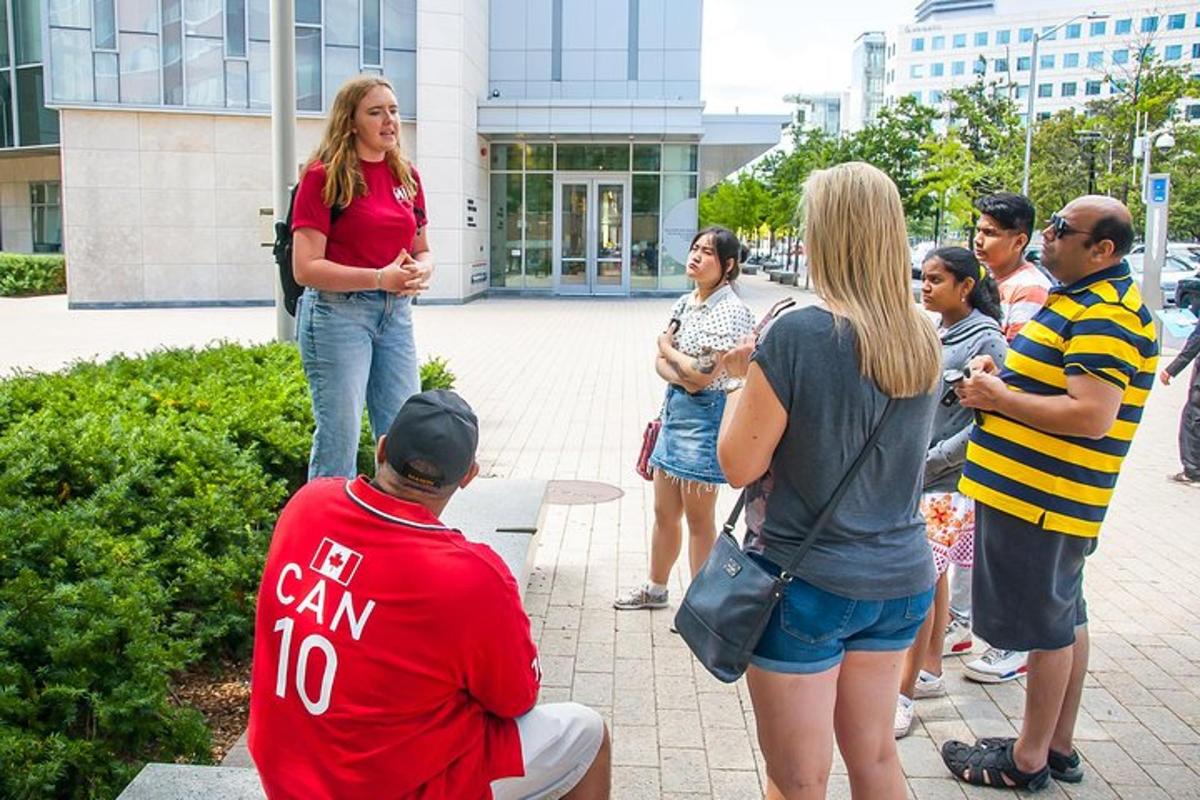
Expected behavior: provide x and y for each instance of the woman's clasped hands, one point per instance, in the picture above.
(406, 276)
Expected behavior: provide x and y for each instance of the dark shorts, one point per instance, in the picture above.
(811, 629)
(1027, 585)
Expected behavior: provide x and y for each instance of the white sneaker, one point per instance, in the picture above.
(997, 666)
(904, 716)
(929, 686)
(959, 641)
(640, 597)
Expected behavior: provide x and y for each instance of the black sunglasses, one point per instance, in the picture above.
(1063, 228)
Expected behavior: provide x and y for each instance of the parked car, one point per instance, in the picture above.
(1187, 294)
(1174, 268)
(1188, 251)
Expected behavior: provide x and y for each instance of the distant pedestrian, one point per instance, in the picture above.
(704, 324)
(362, 270)
(820, 383)
(958, 288)
(1189, 421)
(1055, 424)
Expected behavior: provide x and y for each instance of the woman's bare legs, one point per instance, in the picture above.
(941, 620)
(795, 715)
(667, 536)
(866, 705)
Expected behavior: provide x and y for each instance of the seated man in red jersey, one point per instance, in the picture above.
(392, 656)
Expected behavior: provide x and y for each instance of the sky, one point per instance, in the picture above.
(756, 51)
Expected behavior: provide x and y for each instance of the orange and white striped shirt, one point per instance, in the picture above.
(1022, 294)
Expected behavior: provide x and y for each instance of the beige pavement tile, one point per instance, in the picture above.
(1113, 764)
(635, 745)
(735, 784)
(593, 688)
(684, 770)
(633, 707)
(679, 727)
(921, 757)
(1165, 725)
(936, 789)
(728, 749)
(636, 783)
(594, 656)
(1140, 743)
(1181, 783)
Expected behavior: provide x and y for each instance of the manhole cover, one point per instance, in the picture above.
(579, 493)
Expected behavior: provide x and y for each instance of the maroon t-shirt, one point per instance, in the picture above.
(374, 228)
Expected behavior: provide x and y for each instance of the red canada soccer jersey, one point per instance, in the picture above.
(373, 229)
(390, 655)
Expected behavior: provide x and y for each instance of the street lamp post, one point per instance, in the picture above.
(1156, 199)
(283, 133)
(1033, 65)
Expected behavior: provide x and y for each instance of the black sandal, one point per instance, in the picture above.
(984, 765)
(1067, 768)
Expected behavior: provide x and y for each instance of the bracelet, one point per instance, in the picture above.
(379, 279)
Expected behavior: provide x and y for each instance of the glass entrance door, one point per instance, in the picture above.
(591, 243)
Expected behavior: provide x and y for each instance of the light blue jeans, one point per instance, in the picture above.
(356, 347)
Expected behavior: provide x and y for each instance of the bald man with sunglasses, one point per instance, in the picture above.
(1054, 424)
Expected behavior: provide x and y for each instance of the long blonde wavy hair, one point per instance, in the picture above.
(859, 259)
(344, 179)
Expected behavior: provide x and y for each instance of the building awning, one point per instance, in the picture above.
(731, 141)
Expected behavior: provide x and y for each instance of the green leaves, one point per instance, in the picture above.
(23, 275)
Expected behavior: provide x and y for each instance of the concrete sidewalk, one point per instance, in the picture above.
(563, 389)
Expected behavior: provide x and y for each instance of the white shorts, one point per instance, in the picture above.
(559, 742)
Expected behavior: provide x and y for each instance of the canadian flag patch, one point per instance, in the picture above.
(336, 562)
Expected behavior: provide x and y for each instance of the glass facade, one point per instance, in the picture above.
(24, 122)
(215, 54)
(46, 207)
(662, 204)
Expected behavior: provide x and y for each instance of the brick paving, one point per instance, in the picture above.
(563, 389)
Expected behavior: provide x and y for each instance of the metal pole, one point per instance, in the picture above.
(283, 133)
(1033, 64)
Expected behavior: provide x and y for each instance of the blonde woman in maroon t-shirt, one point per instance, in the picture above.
(362, 270)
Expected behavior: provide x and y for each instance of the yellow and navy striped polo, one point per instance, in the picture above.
(1097, 326)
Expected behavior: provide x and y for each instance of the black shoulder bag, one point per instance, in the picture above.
(730, 600)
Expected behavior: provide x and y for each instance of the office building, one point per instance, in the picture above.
(562, 143)
(868, 69)
(818, 111)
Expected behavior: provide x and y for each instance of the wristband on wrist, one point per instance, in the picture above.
(379, 278)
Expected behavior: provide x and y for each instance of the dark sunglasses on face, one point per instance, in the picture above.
(1062, 228)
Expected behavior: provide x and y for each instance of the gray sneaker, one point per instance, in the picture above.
(640, 597)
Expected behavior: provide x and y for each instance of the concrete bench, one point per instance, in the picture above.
(505, 514)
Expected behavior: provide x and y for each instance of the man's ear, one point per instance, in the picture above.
(472, 473)
(381, 451)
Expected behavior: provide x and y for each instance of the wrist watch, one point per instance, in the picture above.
(733, 384)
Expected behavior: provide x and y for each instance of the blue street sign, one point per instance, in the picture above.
(1160, 189)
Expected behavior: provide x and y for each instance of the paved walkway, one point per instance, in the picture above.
(563, 389)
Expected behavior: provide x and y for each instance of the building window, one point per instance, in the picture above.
(981, 39)
(1095, 59)
(1045, 90)
(1098, 28)
(939, 43)
(915, 96)
(1149, 24)
(47, 216)
(1173, 52)
(1048, 33)
(980, 66)
(918, 44)
(1001, 65)
(1175, 22)
(1196, 50)
(916, 71)
(1043, 116)
(935, 97)
(1193, 112)
(1120, 56)
(960, 40)
(1023, 63)
(958, 68)
(235, 28)
(1070, 60)
(104, 25)
(1124, 26)
(1003, 37)
(1146, 53)
(1092, 87)
(1022, 91)
(1068, 89)
(936, 70)
(1025, 35)
(1074, 31)
(1046, 62)
(1118, 85)
(372, 33)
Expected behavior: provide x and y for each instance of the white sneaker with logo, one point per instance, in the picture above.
(640, 597)
(959, 641)
(997, 666)
(929, 685)
(904, 716)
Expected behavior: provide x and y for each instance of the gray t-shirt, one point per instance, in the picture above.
(874, 547)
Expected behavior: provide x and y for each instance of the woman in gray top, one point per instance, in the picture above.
(957, 287)
(816, 387)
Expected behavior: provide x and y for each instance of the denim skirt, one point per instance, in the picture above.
(687, 443)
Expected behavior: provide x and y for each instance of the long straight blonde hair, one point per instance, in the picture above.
(858, 255)
(344, 179)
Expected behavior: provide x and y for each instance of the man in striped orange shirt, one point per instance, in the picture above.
(1054, 425)
(1003, 232)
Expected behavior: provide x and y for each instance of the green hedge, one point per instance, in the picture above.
(136, 503)
(24, 275)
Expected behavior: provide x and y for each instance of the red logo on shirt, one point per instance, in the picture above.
(336, 562)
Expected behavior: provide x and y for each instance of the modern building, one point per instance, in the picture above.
(819, 111)
(952, 43)
(562, 143)
(868, 69)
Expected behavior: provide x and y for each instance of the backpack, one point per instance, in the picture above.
(282, 250)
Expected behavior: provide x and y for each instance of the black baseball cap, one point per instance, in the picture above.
(432, 441)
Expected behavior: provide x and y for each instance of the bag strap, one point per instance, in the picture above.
(826, 513)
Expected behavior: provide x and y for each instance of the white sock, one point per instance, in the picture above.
(656, 588)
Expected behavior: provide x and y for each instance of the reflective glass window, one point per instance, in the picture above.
(201, 18)
(1001, 65)
(139, 69)
(1022, 91)
(506, 234)
(981, 39)
(68, 13)
(400, 67)
(938, 42)
(1070, 60)
(260, 74)
(259, 18)
(237, 84)
(612, 157)
(1124, 26)
(45, 206)
(308, 68)
(1074, 31)
(958, 68)
(308, 12)
(341, 64)
(1092, 87)
(679, 226)
(27, 31)
(71, 78)
(1098, 28)
(539, 156)
(1045, 90)
(1068, 89)
(1173, 52)
(4, 35)
(1023, 63)
(509, 156)
(205, 71)
(1120, 56)
(7, 132)
(680, 157)
(539, 230)
(104, 27)
(646, 158)
(1025, 35)
(38, 124)
(937, 69)
(1175, 22)
(141, 16)
(1095, 59)
(1003, 37)
(108, 79)
(960, 40)
(400, 24)
(1046, 61)
(371, 39)
(1149, 24)
(645, 246)
(343, 30)
(172, 52)
(235, 28)
(918, 44)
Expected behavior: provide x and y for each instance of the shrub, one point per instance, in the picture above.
(137, 499)
(24, 275)
(436, 375)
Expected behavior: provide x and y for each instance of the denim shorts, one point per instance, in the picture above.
(687, 443)
(811, 629)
